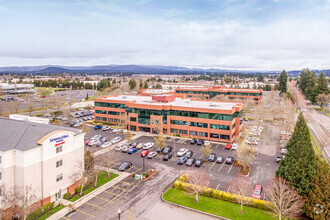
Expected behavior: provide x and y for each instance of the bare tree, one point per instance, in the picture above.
(85, 128)
(30, 104)
(323, 99)
(245, 156)
(206, 150)
(122, 120)
(285, 200)
(28, 197)
(128, 136)
(160, 139)
(241, 186)
(199, 179)
(109, 158)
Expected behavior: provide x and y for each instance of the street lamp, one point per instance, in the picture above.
(119, 214)
(143, 164)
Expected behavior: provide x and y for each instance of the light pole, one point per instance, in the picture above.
(119, 214)
(143, 165)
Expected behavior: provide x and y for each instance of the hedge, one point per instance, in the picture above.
(222, 195)
(40, 211)
(67, 196)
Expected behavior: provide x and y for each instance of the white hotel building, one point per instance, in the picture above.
(40, 156)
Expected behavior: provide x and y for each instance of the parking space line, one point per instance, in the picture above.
(103, 199)
(230, 168)
(228, 189)
(130, 168)
(221, 167)
(111, 193)
(85, 213)
(211, 166)
(138, 170)
(120, 188)
(66, 218)
(217, 186)
(95, 205)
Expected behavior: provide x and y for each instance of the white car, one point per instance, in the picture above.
(234, 146)
(124, 148)
(182, 152)
(116, 140)
(148, 146)
(106, 144)
(139, 146)
(105, 128)
(207, 143)
(92, 142)
(116, 130)
(119, 147)
(152, 154)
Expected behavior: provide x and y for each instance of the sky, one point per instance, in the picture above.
(227, 34)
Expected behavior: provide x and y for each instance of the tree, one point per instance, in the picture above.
(322, 84)
(317, 204)
(141, 84)
(206, 150)
(128, 136)
(285, 200)
(158, 86)
(85, 128)
(132, 84)
(323, 99)
(283, 82)
(87, 96)
(199, 179)
(268, 87)
(109, 158)
(28, 196)
(260, 77)
(244, 156)
(145, 85)
(299, 165)
(241, 186)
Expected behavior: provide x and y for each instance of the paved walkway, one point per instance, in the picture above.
(79, 202)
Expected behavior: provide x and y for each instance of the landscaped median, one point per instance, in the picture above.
(102, 179)
(217, 202)
(44, 212)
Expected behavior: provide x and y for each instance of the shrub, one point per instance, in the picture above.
(40, 211)
(146, 175)
(133, 175)
(67, 196)
(77, 189)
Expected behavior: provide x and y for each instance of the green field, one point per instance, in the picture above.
(216, 206)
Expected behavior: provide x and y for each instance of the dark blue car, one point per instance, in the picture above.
(132, 150)
(97, 127)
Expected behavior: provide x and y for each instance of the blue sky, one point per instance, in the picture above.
(235, 34)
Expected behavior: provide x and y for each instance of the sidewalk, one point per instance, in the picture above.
(79, 202)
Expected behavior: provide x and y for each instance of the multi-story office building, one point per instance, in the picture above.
(216, 121)
(16, 88)
(41, 157)
(220, 91)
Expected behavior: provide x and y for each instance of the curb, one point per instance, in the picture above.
(150, 176)
(191, 209)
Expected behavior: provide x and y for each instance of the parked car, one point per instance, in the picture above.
(152, 154)
(105, 128)
(116, 140)
(200, 142)
(97, 127)
(145, 153)
(228, 147)
(207, 143)
(99, 144)
(278, 159)
(234, 146)
(148, 145)
(182, 160)
(104, 139)
(139, 146)
(229, 160)
(116, 130)
(159, 150)
(92, 142)
(284, 151)
(257, 192)
(125, 166)
(193, 141)
(212, 157)
(182, 152)
(167, 157)
(106, 144)
(190, 162)
(199, 163)
(132, 150)
(119, 147)
(189, 153)
(86, 142)
(124, 148)
(219, 160)
(133, 144)
(167, 150)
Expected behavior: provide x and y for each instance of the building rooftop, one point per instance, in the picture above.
(24, 135)
(147, 100)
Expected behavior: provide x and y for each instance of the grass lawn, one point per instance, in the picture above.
(51, 212)
(101, 181)
(216, 206)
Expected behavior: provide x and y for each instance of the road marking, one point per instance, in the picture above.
(103, 199)
(130, 168)
(228, 189)
(230, 168)
(66, 218)
(95, 205)
(211, 166)
(120, 188)
(85, 213)
(111, 193)
(221, 167)
(217, 186)
(138, 170)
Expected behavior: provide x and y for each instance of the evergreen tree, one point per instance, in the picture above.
(299, 165)
(320, 193)
(132, 84)
(283, 82)
(87, 96)
(322, 84)
(141, 84)
(260, 77)
(145, 85)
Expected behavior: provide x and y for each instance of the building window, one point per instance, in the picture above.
(98, 118)
(110, 119)
(177, 122)
(221, 127)
(193, 133)
(132, 119)
(175, 131)
(203, 134)
(100, 111)
(133, 128)
(104, 119)
(183, 132)
(59, 149)
(212, 135)
(59, 177)
(59, 163)
(198, 124)
(226, 137)
(113, 113)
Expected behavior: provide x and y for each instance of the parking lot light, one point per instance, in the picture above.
(119, 214)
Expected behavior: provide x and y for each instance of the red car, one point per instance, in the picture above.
(228, 146)
(145, 153)
(86, 142)
(257, 192)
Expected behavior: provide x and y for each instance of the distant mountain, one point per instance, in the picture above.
(138, 69)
